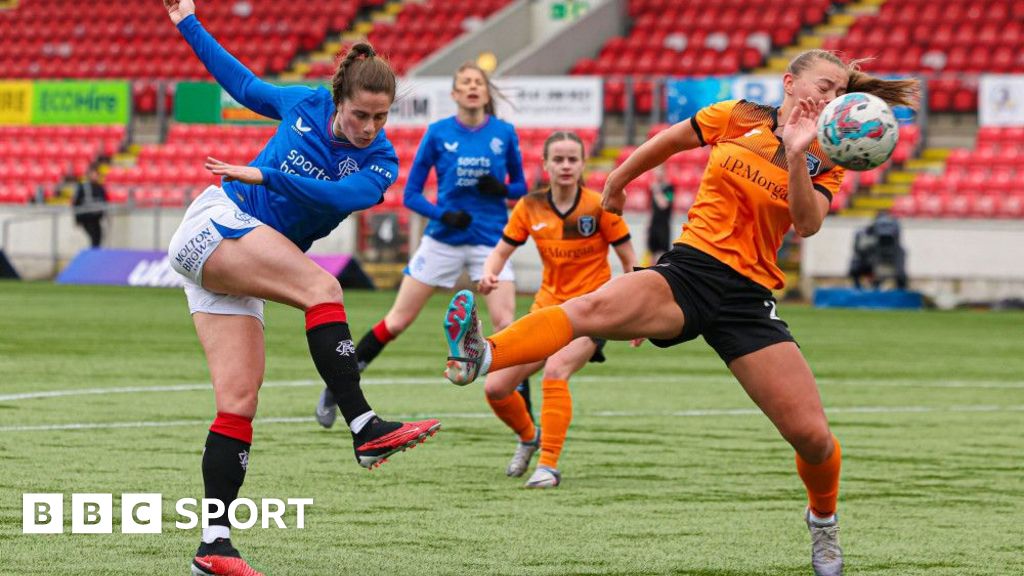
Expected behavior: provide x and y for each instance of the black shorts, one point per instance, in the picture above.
(735, 315)
(598, 355)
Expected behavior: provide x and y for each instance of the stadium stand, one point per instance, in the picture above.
(38, 158)
(407, 32)
(423, 27)
(49, 38)
(693, 38)
(950, 40)
(982, 182)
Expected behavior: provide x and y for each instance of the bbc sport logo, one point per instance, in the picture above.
(143, 513)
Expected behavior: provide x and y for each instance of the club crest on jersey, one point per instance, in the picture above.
(497, 146)
(347, 166)
(586, 225)
(813, 164)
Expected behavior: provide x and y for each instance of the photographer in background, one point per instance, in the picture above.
(877, 253)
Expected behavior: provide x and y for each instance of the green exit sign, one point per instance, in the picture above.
(568, 10)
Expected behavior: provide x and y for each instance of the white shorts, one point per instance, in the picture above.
(211, 218)
(438, 264)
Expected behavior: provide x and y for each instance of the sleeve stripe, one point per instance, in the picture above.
(513, 241)
(823, 190)
(696, 128)
(622, 240)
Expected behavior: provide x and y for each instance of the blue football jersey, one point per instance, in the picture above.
(311, 179)
(460, 155)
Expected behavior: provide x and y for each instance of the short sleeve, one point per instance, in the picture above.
(614, 228)
(829, 182)
(517, 231)
(711, 122)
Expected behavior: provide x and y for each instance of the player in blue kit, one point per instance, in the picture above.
(243, 242)
(479, 167)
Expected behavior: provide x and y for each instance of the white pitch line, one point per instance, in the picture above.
(480, 415)
(419, 381)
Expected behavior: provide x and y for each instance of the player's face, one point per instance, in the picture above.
(564, 162)
(470, 90)
(823, 80)
(361, 117)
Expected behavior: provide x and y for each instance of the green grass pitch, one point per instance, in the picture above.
(668, 469)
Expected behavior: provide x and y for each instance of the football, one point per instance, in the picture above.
(858, 131)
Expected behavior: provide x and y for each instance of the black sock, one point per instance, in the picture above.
(375, 428)
(368, 349)
(225, 461)
(330, 345)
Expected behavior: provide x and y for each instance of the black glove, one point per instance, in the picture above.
(490, 186)
(457, 219)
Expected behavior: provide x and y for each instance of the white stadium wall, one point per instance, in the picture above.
(962, 260)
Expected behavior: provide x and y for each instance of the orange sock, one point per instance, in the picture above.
(822, 481)
(555, 416)
(531, 338)
(512, 411)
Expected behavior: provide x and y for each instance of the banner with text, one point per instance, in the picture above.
(1001, 100)
(81, 102)
(153, 268)
(528, 101)
(686, 96)
(16, 102)
(65, 102)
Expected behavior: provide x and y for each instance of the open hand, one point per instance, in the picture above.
(178, 10)
(247, 174)
(802, 125)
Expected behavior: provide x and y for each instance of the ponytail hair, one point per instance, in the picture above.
(362, 69)
(895, 92)
(492, 90)
(561, 135)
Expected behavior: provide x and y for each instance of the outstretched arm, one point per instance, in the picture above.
(652, 153)
(259, 96)
(492, 266)
(354, 192)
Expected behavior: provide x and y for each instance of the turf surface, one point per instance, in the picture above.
(669, 468)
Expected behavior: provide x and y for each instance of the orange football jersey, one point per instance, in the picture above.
(573, 246)
(741, 212)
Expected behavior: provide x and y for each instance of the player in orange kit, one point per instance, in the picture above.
(766, 174)
(572, 233)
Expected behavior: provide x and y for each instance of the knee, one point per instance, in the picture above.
(501, 320)
(812, 442)
(588, 306)
(324, 289)
(496, 391)
(240, 402)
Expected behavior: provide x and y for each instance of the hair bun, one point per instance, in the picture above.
(364, 49)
